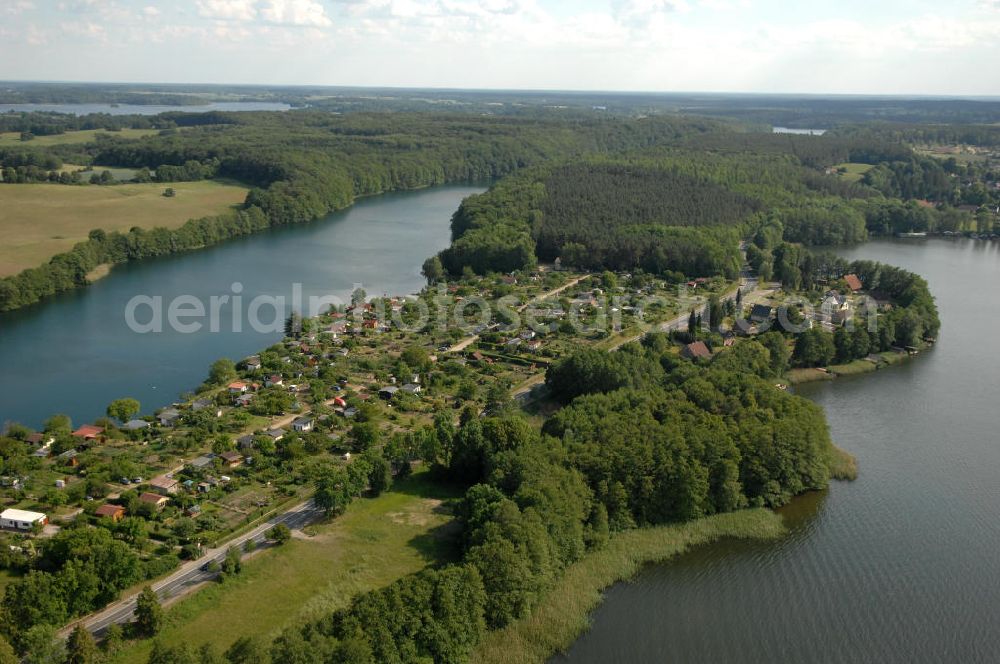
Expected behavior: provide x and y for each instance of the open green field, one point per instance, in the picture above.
(374, 543)
(562, 615)
(853, 172)
(38, 221)
(8, 138)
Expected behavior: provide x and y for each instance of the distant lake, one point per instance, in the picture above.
(75, 353)
(804, 132)
(136, 109)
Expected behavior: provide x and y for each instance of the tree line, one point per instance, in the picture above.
(305, 165)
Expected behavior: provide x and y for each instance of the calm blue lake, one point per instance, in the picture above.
(75, 353)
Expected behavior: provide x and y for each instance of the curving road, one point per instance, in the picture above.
(195, 572)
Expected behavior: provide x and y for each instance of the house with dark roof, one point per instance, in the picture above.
(169, 418)
(303, 424)
(203, 461)
(761, 313)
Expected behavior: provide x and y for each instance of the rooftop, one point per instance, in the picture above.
(21, 515)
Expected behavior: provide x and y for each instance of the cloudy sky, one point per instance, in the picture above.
(829, 46)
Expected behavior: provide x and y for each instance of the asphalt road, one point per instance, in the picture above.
(195, 572)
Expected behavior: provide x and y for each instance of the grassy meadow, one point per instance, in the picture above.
(374, 543)
(38, 221)
(853, 172)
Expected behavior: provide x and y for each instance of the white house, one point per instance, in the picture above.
(302, 424)
(21, 519)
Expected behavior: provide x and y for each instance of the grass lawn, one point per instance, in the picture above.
(38, 221)
(9, 138)
(562, 615)
(853, 172)
(377, 541)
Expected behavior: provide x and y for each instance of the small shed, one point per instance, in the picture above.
(109, 511)
(303, 424)
(169, 418)
(154, 499)
(163, 485)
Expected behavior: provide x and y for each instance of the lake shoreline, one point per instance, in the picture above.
(564, 612)
(855, 368)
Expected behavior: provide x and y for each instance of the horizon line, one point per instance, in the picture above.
(568, 91)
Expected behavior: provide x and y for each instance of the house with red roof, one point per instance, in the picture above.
(853, 282)
(109, 511)
(88, 432)
(154, 499)
(696, 350)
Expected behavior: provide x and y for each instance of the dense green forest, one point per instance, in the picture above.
(684, 208)
(304, 165)
(901, 132)
(662, 210)
(669, 442)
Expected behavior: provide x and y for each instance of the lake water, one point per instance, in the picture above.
(902, 565)
(75, 353)
(136, 109)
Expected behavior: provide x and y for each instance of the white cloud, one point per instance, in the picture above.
(228, 10)
(295, 12)
(35, 36)
(87, 29)
(638, 12)
(16, 7)
(150, 11)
